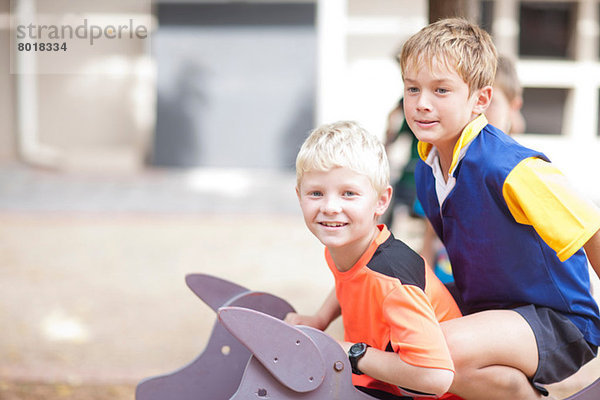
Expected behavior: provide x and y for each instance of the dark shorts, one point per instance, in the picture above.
(380, 394)
(562, 348)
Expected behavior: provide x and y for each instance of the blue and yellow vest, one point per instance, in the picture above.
(497, 262)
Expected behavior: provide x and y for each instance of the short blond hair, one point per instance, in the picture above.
(344, 144)
(507, 79)
(457, 44)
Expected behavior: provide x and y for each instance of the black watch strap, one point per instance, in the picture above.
(355, 353)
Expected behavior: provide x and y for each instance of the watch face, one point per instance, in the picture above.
(357, 348)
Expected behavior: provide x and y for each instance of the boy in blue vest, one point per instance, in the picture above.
(514, 229)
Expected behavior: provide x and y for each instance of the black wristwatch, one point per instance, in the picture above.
(355, 353)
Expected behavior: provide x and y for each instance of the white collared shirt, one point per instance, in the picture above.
(429, 154)
(443, 187)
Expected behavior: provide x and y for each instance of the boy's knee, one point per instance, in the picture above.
(493, 382)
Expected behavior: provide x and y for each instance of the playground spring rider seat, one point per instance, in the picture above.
(262, 357)
(252, 354)
(216, 373)
(289, 362)
(591, 392)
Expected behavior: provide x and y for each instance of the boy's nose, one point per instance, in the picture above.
(423, 102)
(331, 205)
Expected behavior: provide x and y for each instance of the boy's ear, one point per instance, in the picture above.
(384, 201)
(482, 100)
(517, 103)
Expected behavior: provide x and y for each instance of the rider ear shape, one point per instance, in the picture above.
(215, 292)
(289, 354)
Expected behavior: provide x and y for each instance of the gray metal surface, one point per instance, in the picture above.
(216, 373)
(274, 345)
(591, 392)
(215, 292)
(289, 354)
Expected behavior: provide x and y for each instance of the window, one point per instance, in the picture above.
(223, 67)
(547, 29)
(486, 15)
(543, 110)
(598, 122)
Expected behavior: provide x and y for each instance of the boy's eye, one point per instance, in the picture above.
(442, 90)
(412, 90)
(315, 193)
(349, 193)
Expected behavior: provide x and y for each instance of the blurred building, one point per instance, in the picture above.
(239, 84)
(557, 47)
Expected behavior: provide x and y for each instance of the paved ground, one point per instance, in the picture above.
(92, 269)
(18, 390)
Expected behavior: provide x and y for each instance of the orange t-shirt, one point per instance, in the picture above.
(392, 301)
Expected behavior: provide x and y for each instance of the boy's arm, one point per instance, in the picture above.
(389, 367)
(420, 360)
(329, 311)
(592, 250)
(428, 250)
(538, 194)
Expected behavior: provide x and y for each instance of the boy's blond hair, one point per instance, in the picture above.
(344, 144)
(456, 44)
(507, 79)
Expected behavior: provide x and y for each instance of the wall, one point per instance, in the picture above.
(90, 106)
(7, 135)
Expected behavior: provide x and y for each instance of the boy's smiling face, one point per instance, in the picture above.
(340, 207)
(438, 105)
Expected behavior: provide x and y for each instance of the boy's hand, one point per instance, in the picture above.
(313, 321)
(330, 310)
